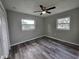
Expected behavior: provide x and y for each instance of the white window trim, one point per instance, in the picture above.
(63, 23)
(28, 24)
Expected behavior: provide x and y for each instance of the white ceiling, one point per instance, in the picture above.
(29, 6)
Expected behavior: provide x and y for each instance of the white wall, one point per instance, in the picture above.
(4, 35)
(16, 33)
(44, 26)
(71, 35)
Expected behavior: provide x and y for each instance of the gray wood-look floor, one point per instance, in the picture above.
(43, 49)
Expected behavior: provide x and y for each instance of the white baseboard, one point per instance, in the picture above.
(27, 40)
(46, 36)
(62, 40)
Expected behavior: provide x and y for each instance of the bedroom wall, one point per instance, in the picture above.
(44, 26)
(71, 35)
(16, 34)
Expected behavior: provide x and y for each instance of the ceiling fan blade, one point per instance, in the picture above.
(40, 13)
(49, 12)
(42, 8)
(37, 11)
(51, 8)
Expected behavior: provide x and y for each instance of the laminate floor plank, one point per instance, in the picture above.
(43, 49)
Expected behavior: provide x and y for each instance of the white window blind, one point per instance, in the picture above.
(63, 23)
(28, 24)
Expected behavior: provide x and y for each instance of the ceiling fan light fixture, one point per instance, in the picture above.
(43, 12)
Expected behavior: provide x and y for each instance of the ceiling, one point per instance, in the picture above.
(29, 6)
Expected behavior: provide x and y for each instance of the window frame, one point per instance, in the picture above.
(63, 23)
(28, 24)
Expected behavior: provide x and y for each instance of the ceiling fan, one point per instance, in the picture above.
(45, 10)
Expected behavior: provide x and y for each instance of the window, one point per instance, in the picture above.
(28, 24)
(63, 23)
